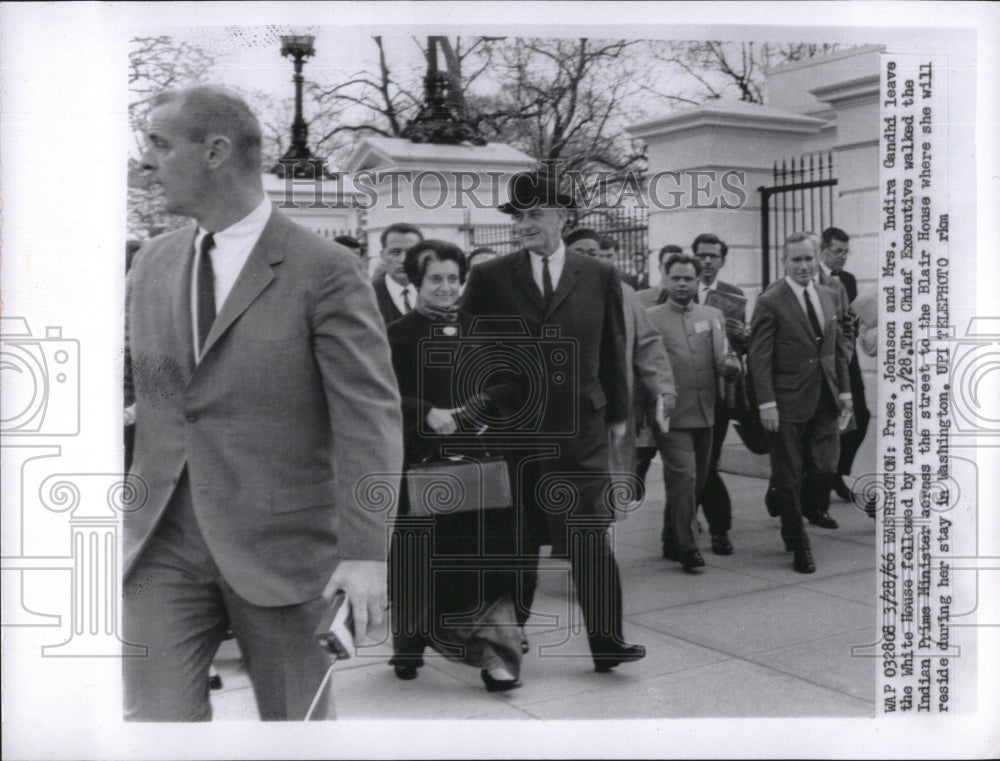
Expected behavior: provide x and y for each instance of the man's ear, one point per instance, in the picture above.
(220, 148)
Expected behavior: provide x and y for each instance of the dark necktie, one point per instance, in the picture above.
(546, 282)
(407, 306)
(813, 319)
(206, 291)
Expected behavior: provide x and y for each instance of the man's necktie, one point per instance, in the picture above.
(206, 290)
(813, 319)
(546, 282)
(407, 306)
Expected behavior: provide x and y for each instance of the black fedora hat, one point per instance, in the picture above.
(528, 190)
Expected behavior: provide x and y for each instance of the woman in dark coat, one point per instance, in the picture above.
(465, 611)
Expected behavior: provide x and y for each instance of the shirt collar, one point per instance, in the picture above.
(677, 307)
(825, 270)
(395, 289)
(799, 289)
(247, 229)
(556, 257)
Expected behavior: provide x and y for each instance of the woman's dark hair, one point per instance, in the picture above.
(417, 257)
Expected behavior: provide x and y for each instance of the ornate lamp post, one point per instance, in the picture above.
(439, 120)
(298, 159)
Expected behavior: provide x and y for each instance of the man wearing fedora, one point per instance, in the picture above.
(560, 415)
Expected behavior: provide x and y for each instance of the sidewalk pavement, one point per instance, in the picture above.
(747, 637)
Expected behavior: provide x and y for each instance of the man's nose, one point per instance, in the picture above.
(146, 162)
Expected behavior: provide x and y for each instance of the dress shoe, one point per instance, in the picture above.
(604, 662)
(405, 671)
(214, 682)
(840, 489)
(669, 553)
(691, 560)
(823, 520)
(498, 685)
(721, 544)
(771, 502)
(803, 562)
(789, 545)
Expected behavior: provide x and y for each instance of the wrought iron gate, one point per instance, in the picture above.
(800, 200)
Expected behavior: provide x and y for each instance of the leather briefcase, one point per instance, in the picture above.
(458, 484)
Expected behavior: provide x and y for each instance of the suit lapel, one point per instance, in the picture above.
(180, 307)
(255, 276)
(826, 299)
(796, 308)
(566, 282)
(521, 272)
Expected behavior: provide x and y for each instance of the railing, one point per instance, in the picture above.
(800, 200)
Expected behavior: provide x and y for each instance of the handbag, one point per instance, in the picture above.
(744, 411)
(458, 484)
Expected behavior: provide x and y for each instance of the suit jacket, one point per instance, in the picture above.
(695, 339)
(386, 306)
(282, 425)
(787, 364)
(649, 375)
(850, 285)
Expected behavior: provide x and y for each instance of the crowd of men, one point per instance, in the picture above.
(264, 399)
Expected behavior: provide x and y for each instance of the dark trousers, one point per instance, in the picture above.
(803, 458)
(571, 527)
(685, 453)
(714, 497)
(177, 604)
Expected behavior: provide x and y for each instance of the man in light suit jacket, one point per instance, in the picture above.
(650, 380)
(798, 365)
(265, 407)
(394, 292)
(695, 338)
(569, 304)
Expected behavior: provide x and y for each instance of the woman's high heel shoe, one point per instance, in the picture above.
(498, 685)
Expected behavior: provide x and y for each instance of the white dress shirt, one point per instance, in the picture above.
(556, 261)
(704, 289)
(799, 291)
(231, 251)
(396, 294)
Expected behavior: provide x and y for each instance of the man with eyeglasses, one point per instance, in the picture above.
(710, 251)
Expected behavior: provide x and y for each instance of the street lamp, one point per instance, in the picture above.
(298, 159)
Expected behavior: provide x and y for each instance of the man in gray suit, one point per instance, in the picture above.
(798, 364)
(265, 402)
(695, 338)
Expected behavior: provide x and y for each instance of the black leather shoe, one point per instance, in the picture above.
(771, 502)
(498, 685)
(789, 546)
(823, 520)
(721, 544)
(841, 490)
(670, 554)
(214, 682)
(405, 671)
(604, 662)
(691, 560)
(803, 562)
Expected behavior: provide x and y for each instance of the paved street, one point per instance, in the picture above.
(754, 637)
